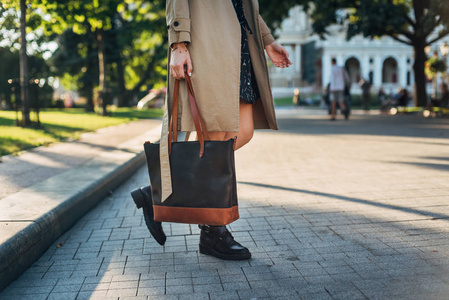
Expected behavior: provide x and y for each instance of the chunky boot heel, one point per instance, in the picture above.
(138, 198)
(142, 199)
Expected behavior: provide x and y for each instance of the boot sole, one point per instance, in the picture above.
(160, 240)
(139, 200)
(208, 251)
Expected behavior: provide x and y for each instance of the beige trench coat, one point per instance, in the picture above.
(213, 34)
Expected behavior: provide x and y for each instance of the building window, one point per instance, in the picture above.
(390, 71)
(371, 60)
(353, 67)
(408, 78)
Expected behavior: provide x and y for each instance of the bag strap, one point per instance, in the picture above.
(203, 124)
(172, 130)
(200, 125)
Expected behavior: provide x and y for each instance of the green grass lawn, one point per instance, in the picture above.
(60, 124)
(285, 101)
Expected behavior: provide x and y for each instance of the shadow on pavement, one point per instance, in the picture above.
(367, 202)
(404, 126)
(440, 167)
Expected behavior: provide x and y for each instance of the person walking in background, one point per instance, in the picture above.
(339, 79)
(221, 47)
(366, 96)
(443, 100)
(385, 100)
(403, 98)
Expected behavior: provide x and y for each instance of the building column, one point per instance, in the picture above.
(402, 70)
(340, 60)
(377, 76)
(365, 67)
(326, 69)
(297, 54)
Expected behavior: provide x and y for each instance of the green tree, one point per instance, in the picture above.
(76, 59)
(18, 20)
(417, 23)
(20, 8)
(9, 74)
(128, 37)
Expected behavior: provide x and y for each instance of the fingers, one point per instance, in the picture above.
(177, 71)
(180, 71)
(282, 63)
(173, 72)
(180, 63)
(189, 66)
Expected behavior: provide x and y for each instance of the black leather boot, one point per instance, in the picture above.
(142, 198)
(219, 242)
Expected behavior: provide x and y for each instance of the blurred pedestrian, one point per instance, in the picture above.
(385, 100)
(339, 79)
(403, 98)
(381, 96)
(443, 100)
(366, 96)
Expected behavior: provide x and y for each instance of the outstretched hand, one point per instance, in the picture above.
(278, 55)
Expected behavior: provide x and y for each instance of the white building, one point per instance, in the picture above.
(384, 62)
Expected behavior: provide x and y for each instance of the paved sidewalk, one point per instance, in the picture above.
(47, 190)
(330, 210)
(39, 164)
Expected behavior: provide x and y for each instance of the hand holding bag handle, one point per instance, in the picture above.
(200, 125)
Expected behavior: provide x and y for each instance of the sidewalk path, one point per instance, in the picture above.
(39, 164)
(330, 210)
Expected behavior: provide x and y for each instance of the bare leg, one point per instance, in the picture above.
(333, 109)
(246, 127)
(210, 236)
(342, 106)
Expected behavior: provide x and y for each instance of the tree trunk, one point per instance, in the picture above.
(26, 121)
(90, 70)
(123, 99)
(420, 96)
(102, 98)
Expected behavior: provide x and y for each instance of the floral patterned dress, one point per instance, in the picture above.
(248, 86)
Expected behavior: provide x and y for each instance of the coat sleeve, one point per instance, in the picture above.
(267, 37)
(178, 21)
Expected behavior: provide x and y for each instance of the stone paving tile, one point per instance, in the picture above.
(338, 213)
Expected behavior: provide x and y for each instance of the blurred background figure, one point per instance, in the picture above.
(366, 96)
(403, 98)
(339, 80)
(443, 100)
(296, 97)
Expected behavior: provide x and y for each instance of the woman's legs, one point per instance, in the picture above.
(246, 127)
(217, 240)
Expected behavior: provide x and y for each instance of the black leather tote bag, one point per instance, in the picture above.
(202, 173)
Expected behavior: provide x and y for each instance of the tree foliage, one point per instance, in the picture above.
(130, 34)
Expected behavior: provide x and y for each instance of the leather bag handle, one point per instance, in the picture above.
(200, 125)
